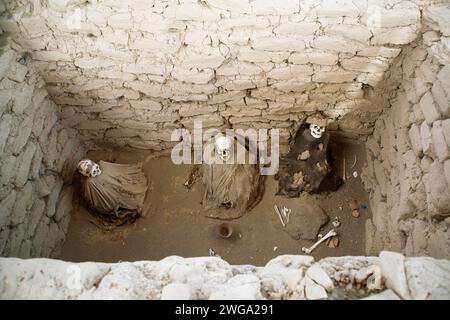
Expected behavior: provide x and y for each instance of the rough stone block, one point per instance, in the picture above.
(52, 199)
(51, 55)
(282, 7)
(74, 101)
(208, 121)
(35, 26)
(427, 71)
(111, 74)
(438, 189)
(426, 278)
(353, 32)
(429, 109)
(8, 168)
(446, 130)
(202, 61)
(22, 98)
(384, 295)
(441, 97)
(380, 176)
(121, 21)
(297, 28)
(244, 21)
(425, 134)
(7, 205)
(5, 127)
(193, 75)
(314, 57)
(190, 110)
(94, 125)
(447, 171)
(338, 8)
(383, 17)
(146, 104)
(64, 205)
(374, 51)
(294, 85)
(334, 76)
(24, 164)
(144, 68)
(195, 12)
(5, 98)
(318, 275)
(363, 64)
(337, 44)
(176, 291)
(228, 96)
(278, 44)
(291, 71)
(6, 59)
(238, 6)
(149, 89)
(23, 134)
(396, 36)
(42, 188)
(392, 266)
(415, 139)
(23, 204)
(39, 237)
(18, 72)
(94, 63)
(441, 147)
(36, 163)
(438, 16)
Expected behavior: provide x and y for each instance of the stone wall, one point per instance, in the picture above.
(288, 277)
(408, 173)
(36, 153)
(128, 72)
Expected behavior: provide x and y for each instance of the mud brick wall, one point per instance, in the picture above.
(129, 72)
(36, 153)
(408, 171)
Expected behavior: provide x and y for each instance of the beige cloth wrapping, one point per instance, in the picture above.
(118, 190)
(231, 189)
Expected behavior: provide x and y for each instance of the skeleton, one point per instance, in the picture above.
(212, 253)
(283, 214)
(336, 223)
(89, 168)
(330, 234)
(316, 131)
(223, 145)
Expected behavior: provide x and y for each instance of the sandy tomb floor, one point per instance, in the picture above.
(175, 225)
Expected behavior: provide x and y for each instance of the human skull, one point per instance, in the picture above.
(88, 168)
(316, 131)
(223, 145)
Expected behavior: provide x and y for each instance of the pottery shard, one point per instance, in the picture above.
(306, 220)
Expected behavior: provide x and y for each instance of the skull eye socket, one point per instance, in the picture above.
(316, 131)
(88, 168)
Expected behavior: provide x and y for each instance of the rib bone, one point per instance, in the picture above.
(330, 234)
(279, 215)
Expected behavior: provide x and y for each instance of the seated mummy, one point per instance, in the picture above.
(116, 190)
(230, 188)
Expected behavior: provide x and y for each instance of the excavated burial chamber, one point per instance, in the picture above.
(385, 87)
